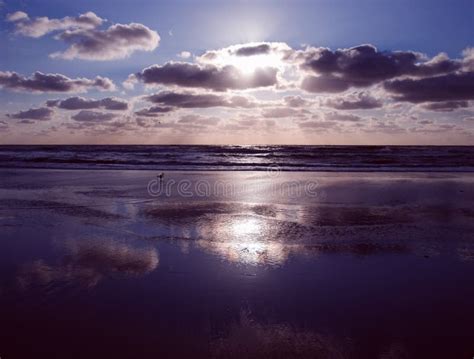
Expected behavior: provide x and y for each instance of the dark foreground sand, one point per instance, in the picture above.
(236, 264)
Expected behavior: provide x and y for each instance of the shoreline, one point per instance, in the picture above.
(265, 169)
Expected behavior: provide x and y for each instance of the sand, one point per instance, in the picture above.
(233, 264)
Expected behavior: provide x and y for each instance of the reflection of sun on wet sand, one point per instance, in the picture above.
(241, 241)
(268, 234)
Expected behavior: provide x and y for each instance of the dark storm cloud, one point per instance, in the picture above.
(117, 42)
(253, 50)
(446, 106)
(358, 101)
(81, 103)
(40, 26)
(41, 113)
(93, 116)
(40, 83)
(191, 100)
(207, 77)
(364, 65)
(450, 87)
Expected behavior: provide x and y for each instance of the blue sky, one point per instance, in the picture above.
(428, 27)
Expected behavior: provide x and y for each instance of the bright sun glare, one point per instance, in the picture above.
(246, 245)
(246, 227)
(248, 64)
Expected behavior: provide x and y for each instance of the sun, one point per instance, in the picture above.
(249, 64)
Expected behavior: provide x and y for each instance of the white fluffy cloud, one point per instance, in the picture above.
(41, 26)
(117, 42)
(17, 16)
(250, 54)
(86, 41)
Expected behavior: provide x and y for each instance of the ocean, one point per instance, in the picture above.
(241, 158)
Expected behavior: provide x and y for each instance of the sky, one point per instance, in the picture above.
(237, 72)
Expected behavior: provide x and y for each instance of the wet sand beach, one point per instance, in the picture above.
(236, 264)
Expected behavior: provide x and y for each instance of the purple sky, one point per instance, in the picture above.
(248, 72)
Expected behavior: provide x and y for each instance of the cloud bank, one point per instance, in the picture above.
(93, 116)
(209, 77)
(41, 113)
(42, 83)
(193, 100)
(81, 103)
(364, 66)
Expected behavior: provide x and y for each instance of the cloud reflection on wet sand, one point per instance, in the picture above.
(249, 338)
(466, 253)
(87, 262)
